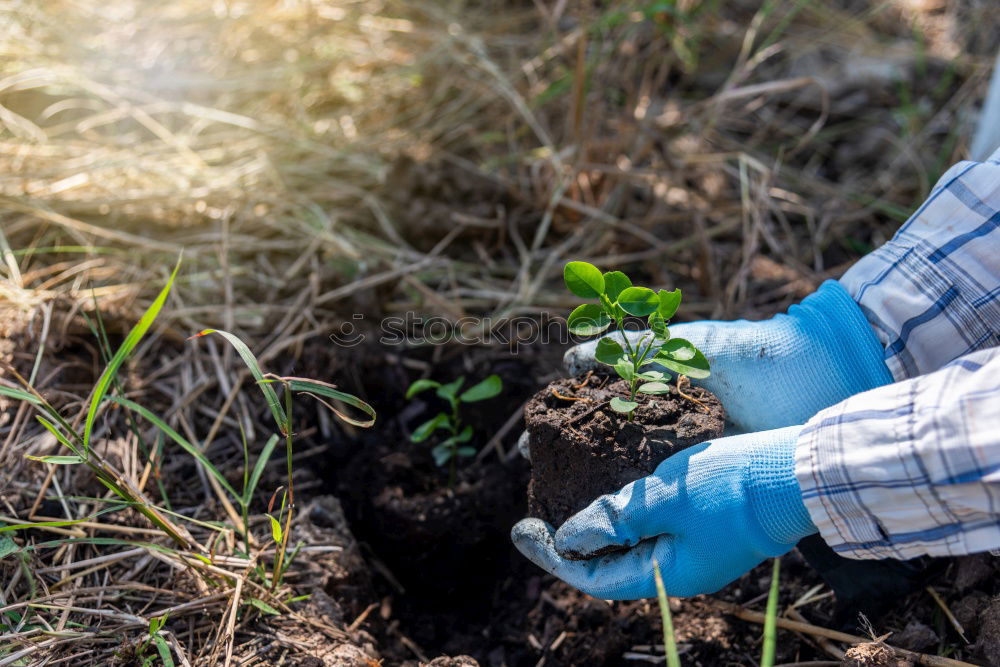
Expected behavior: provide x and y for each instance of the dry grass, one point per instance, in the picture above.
(314, 159)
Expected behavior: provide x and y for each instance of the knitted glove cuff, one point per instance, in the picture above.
(774, 490)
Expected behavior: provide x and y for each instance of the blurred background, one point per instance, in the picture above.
(315, 159)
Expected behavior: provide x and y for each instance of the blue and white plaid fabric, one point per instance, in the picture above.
(913, 468)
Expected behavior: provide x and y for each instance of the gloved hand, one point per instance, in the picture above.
(780, 371)
(707, 515)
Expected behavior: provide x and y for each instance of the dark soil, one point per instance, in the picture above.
(581, 448)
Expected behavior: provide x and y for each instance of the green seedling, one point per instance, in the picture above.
(456, 444)
(617, 298)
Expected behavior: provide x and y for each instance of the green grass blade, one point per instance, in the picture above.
(771, 619)
(669, 644)
(251, 362)
(41, 524)
(164, 650)
(20, 395)
(315, 388)
(58, 460)
(258, 469)
(58, 436)
(179, 439)
(131, 341)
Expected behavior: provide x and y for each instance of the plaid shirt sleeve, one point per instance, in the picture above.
(932, 293)
(913, 468)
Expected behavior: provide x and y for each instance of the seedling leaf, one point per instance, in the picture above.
(441, 454)
(679, 349)
(658, 325)
(588, 319)
(419, 386)
(264, 607)
(275, 529)
(669, 301)
(608, 351)
(654, 388)
(584, 279)
(465, 435)
(695, 368)
(623, 406)
(625, 369)
(131, 341)
(466, 451)
(450, 390)
(638, 301)
(488, 388)
(614, 283)
(422, 432)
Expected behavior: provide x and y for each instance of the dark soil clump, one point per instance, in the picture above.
(581, 448)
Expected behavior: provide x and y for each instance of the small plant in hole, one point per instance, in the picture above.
(456, 444)
(617, 298)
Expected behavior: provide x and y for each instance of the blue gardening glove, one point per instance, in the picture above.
(781, 371)
(706, 515)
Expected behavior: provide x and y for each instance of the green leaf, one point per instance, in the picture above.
(315, 388)
(58, 460)
(465, 435)
(419, 386)
(41, 524)
(258, 468)
(422, 432)
(584, 280)
(695, 368)
(133, 338)
(466, 451)
(623, 406)
(7, 546)
(588, 319)
(679, 349)
(442, 454)
(251, 363)
(179, 439)
(652, 376)
(19, 395)
(608, 351)
(638, 301)
(625, 369)
(450, 390)
(157, 623)
(654, 388)
(658, 325)
(488, 388)
(164, 650)
(264, 607)
(275, 529)
(58, 435)
(669, 641)
(614, 283)
(668, 303)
